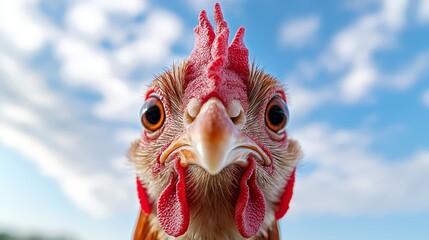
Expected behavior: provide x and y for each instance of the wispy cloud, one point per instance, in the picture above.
(19, 114)
(354, 48)
(88, 19)
(423, 11)
(82, 189)
(348, 179)
(85, 65)
(47, 125)
(350, 57)
(155, 38)
(23, 27)
(49, 136)
(197, 5)
(299, 32)
(425, 98)
(304, 100)
(345, 176)
(411, 73)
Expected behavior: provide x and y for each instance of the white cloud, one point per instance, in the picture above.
(86, 65)
(354, 48)
(19, 114)
(127, 108)
(351, 51)
(21, 26)
(91, 18)
(87, 18)
(359, 5)
(357, 83)
(126, 135)
(47, 125)
(348, 179)
(411, 73)
(83, 63)
(423, 11)
(393, 15)
(299, 32)
(303, 100)
(123, 7)
(154, 42)
(425, 98)
(350, 55)
(43, 127)
(16, 77)
(198, 5)
(349, 58)
(82, 189)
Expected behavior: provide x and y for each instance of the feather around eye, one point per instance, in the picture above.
(152, 114)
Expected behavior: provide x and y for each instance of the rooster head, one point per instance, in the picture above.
(214, 159)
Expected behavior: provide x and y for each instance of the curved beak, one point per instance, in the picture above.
(213, 141)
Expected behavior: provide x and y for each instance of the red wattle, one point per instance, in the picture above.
(173, 210)
(144, 199)
(286, 197)
(250, 207)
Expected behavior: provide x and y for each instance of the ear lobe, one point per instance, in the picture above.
(143, 197)
(286, 197)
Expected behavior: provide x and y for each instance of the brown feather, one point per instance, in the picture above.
(273, 233)
(144, 229)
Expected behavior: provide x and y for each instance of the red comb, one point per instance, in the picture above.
(213, 63)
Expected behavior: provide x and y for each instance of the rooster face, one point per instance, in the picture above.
(214, 159)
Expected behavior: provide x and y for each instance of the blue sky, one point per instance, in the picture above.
(72, 76)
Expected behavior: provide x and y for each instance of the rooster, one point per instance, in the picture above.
(214, 160)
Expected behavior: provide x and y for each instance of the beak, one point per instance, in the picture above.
(213, 141)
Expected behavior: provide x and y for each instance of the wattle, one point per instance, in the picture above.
(250, 206)
(174, 213)
(173, 210)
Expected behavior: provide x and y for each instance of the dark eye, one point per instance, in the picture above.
(152, 114)
(276, 114)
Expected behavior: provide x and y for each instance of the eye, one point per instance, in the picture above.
(152, 114)
(276, 114)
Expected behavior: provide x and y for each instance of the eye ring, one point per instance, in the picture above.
(276, 114)
(152, 114)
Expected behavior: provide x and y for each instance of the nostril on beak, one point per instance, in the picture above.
(234, 110)
(239, 120)
(191, 111)
(236, 113)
